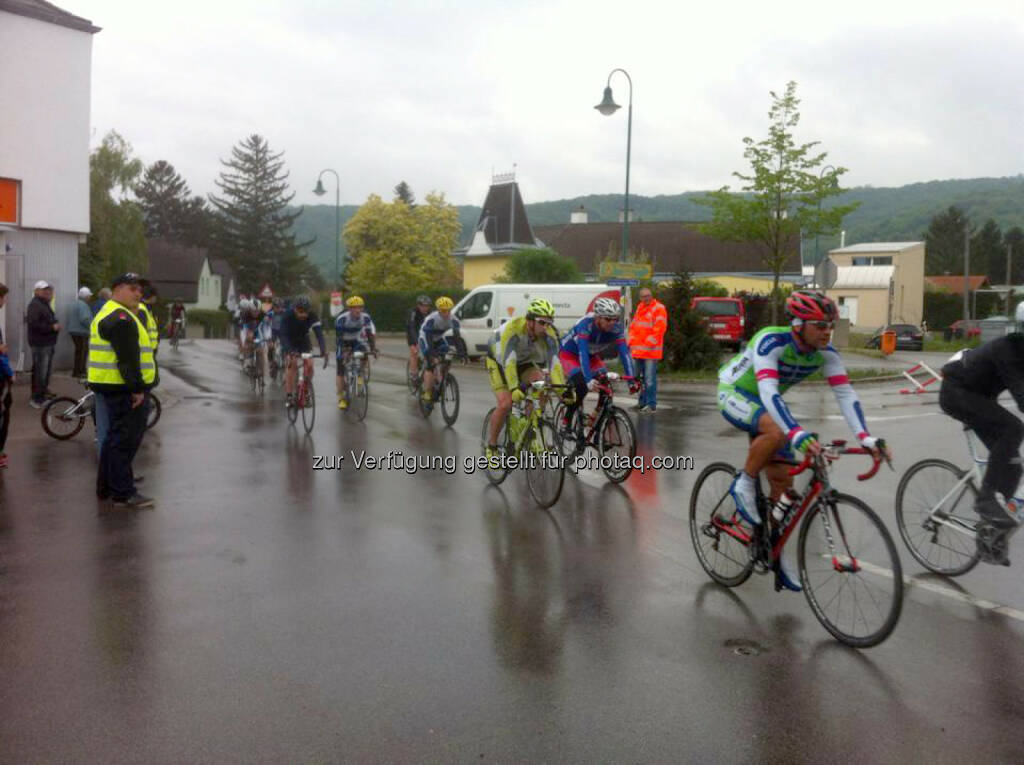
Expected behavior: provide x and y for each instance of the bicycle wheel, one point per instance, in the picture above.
(495, 473)
(617, 445)
(545, 466)
(62, 419)
(309, 408)
(293, 411)
(936, 518)
(721, 538)
(155, 410)
(850, 571)
(450, 399)
(358, 397)
(573, 437)
(412, 383)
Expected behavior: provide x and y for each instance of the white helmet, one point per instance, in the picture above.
(606, 307)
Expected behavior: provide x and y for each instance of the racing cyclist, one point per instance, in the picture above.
(412, 332)
(295, 327)
(249, 322)
(176, 324)
(750, 391)
(582, 347)
(521, 351)
(355, 332)
(432, 343)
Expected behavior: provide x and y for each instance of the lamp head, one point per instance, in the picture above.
(319, 190)
(607, 106)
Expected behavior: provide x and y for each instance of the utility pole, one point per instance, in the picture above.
(967, 275)
(1009, 289)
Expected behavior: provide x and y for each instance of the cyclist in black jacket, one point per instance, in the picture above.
(424, 306)
(972, 381)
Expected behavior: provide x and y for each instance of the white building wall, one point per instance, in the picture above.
(44, 120)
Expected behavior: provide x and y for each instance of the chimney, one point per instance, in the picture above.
(842, 239)
(578, 216)
(632, 216)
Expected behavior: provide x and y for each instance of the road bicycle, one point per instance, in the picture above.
(254, 365)
(64, 417)
(446, 388)
(849, 569)
(357, 385)
(177, 332)
(935, 512)
(607, 432)
(304, 399)
(529, 440)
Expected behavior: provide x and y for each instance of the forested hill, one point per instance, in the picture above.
(885, 214)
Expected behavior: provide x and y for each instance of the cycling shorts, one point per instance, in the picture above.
(347, 346)
(571, 364)
(496, 373)
(743, 410)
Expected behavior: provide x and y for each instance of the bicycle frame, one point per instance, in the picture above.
(972, 474)
(531, 408)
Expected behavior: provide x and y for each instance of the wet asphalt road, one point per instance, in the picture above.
(266, 611)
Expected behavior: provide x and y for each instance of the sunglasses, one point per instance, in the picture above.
(544, 322)
(822, 324)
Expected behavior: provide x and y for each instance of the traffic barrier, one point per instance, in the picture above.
(921, 387)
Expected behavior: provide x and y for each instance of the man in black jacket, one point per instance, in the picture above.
(424, 305)
(972, 381)
(42, 338)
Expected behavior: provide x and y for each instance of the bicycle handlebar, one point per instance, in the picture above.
(832, 451)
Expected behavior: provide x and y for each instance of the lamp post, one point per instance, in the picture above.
(608, 107)
(821, 175)
(320, 191)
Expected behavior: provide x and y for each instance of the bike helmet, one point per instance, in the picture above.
(810, 306)
(445, 304)
(355, 302)
(607, 308)
(424, 300)
(302, 303)
(539, 307)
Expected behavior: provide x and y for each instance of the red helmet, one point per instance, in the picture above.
(810, 306)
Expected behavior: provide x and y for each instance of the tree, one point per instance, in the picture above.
(169, 210)
(253, 226)
(988, 254)
(1014, 239)
(944, 243)
(404, 193)
(117, 237)
(783, 192)
(687, 342)
(392, 246)
(540, 266)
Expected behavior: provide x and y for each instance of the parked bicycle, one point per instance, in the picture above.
(355, 373)
(446, 388)
(607, 432)
(846, 556)
(935, 512)
(305, 397)
(64, 417)
(529, 440)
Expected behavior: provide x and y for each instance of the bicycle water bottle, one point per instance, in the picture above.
(784, 506)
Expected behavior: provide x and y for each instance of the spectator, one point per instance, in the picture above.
(101, 298)
(42, 338)
(121, 369)
(646, 344)
(78, 328)
(6, 383)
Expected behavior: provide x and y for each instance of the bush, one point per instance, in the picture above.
(214, 323)
(687, 344)
(539, 266)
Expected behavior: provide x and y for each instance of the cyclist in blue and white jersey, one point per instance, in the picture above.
(750, 391)
(432, 343)
(355, 331)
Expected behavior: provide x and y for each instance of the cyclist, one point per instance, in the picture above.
(971, 384)
(412, 332)
(249, 316)
(581, 350)
(750, 391)
(432, 343)
(522, 350)
(295, 327)
(177, 322)
(355, 331)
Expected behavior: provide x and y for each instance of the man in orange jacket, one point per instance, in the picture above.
(646, 341)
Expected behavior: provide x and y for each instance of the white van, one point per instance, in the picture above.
(491, 305)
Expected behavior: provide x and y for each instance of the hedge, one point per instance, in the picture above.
(214, 323)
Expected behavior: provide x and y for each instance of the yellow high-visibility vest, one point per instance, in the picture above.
(154, 332)
(102, 366)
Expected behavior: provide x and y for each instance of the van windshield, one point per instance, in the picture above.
(718, 308)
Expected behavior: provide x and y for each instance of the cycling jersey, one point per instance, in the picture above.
(295, 333)
(511, 349)
(354, 332)
(754, 380)
(583, 345)
(412, 326)
(432, 331)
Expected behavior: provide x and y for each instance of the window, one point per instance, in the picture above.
(718, 307)
(477, 307)
(861, 261)
(883, 260)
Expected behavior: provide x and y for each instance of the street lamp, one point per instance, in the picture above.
(320, 191)
(608, 107)
(821, 176)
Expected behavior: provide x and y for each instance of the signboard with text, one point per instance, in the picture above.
(335, 303)
(637, 271)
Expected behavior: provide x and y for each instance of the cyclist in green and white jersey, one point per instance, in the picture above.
(750, 391)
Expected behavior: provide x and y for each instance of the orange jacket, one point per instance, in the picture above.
(647, 330)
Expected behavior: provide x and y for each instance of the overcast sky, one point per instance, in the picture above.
(439, 93)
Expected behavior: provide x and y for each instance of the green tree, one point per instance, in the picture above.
(117, 236)
(944, 243)
(988, 254)
(404, 193)
(783, 193)
(392, 246)
(687, 342)
(540, 266)
(1014, 239)
(169, 209)
(253, 225)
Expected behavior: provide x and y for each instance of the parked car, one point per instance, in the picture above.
(724, 317)
(908, 337)
(956, 330)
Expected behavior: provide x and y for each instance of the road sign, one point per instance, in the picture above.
(335, 303)
(623, 282)
(265, 292)
(610, 269)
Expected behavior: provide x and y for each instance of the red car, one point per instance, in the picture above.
(725, 318)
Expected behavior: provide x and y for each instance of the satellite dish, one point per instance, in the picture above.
(825, 274)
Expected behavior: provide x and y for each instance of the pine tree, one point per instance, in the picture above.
(988, 253)
(404, 193)
(944, 243)
(253, 225)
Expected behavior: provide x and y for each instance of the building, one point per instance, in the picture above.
(879, 283)
(188, 274)
(44, 161)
